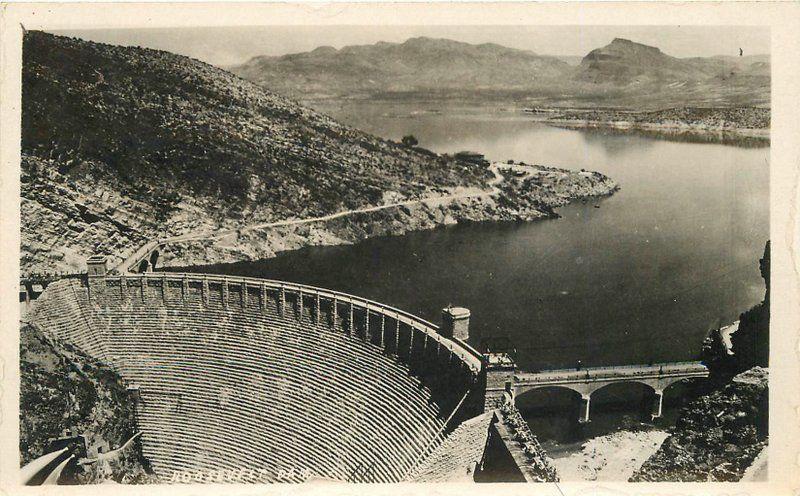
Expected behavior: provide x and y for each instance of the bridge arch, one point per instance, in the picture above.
(570, 389)
(666, 384)
(626, 397)
(646, 384)
(552, 411)
(144, 266)
(524, 391)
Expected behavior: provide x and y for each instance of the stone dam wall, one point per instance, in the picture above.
(287, 382)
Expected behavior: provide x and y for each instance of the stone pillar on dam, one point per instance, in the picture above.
(96, 265)
(455, 323)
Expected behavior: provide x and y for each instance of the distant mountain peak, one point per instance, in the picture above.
(325, 49)
(626, 44)
(422, 39)
(625, 41)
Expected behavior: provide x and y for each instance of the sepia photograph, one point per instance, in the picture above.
(394, 253)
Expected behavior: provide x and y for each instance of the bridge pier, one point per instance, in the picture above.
(658, 404)
(499, 369)
(586, 400)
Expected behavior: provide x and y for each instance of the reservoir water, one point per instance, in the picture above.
(643, 278)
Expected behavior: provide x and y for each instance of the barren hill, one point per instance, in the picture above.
(622, 73)
(625, 70)
(625, 62)
(418, 64)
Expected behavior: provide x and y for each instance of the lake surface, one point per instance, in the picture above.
(643, 278)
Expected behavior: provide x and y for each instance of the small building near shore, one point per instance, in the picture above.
(472, 157)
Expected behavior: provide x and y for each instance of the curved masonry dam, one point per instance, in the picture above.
(281, 382)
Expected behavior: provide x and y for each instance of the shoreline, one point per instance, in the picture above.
(510, 199)
(671, 128)
(194, 238)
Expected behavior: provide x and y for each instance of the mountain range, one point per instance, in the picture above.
(620, 73)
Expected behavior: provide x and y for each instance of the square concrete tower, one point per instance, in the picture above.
(455, 323)
(96, 265)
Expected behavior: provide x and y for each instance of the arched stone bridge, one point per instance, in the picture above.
(586, 381)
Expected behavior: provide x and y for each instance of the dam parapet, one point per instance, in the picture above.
(395, 331)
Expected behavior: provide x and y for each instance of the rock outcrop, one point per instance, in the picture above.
(62, 388)
(731, 351)
(717, 436)
(711, 119)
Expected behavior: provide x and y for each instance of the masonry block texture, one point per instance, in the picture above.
(236, 373)
(499, 377)
(455, 323)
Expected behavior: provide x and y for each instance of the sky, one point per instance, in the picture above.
(225, 46)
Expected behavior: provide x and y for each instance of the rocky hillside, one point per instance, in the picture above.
(63, 388)
(532, 196)
(622, 73)
(121, 145)
(421, 65)
(747, 340)
(717, 436)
